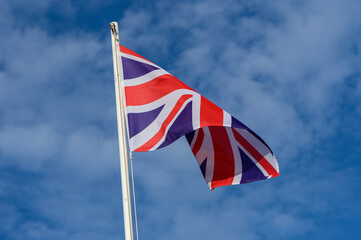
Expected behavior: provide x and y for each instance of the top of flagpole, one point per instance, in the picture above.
(114, 29)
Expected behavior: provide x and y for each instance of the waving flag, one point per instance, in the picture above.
(160, 109)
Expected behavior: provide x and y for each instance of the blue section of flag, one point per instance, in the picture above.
(139, 121)
(203, 167)
(133, 69)
(249, 170)
(189, 137)
(237, 124)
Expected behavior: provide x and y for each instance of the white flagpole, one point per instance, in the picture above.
(124, 168)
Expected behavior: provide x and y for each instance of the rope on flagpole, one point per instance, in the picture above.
(134, 202)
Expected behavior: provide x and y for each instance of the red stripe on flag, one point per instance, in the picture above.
(223, 170)
(271, 171)
(130, 52)
(153, 90)
(197, 145)
(158, 136)
(210, 114)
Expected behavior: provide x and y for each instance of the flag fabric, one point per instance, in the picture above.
(160, 109)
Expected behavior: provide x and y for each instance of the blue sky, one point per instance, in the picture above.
(290, 70)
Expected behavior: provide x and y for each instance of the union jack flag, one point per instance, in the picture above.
(160, 109)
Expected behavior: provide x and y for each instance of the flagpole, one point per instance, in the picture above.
(124, 168)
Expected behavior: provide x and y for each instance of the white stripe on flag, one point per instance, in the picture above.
(237, 157)
(194, 138)
(227, 119)
(260, 147)
(145, 78)
(207, 149)
(196, 110)
(253, 160)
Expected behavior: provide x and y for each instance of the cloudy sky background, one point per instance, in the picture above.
(290, 70)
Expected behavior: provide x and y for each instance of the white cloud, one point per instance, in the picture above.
(286, 224)
(29, 146)
(277, 66)
(88, 152)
